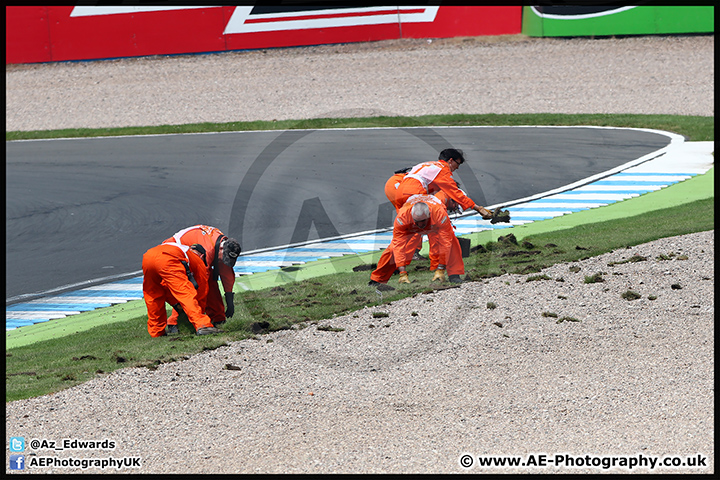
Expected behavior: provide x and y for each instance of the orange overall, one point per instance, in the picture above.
(391, 192)
(400, 251)
(209, 238)
(391, 187)
(455, 264)
(165, 280)
(430, 177)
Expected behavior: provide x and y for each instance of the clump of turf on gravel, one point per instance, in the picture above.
(533, 278)
(567, 319)
(595, 278)
(328, 328)
(635, 258)
(630, 295)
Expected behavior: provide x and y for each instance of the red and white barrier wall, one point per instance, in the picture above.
(62, 33)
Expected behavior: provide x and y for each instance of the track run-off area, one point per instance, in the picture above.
(621, 189)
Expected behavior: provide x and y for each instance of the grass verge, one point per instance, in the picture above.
(52, 365)
(693, 127)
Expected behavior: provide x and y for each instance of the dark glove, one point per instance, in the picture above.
(485, 213)
(178, 308)
(230, 306)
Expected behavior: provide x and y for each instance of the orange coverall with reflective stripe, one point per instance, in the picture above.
(455, 265)
(165, 281)
(430, 177)
(400, 251)
(391, 192)
(208, 237)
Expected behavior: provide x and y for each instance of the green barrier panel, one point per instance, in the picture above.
(574, 21)
(696, 188)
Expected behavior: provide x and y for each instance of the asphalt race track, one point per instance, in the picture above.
(83, 211)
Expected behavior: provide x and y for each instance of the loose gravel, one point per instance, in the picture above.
(443, 374)
(515, 74)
